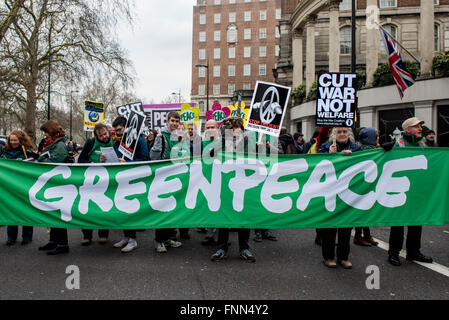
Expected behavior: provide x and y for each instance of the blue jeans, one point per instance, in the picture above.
(12, 231)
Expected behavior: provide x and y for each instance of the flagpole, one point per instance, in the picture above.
(396, 41)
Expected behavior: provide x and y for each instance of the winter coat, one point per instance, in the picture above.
(55, 152)
(340, 147)
(368, 136)
(410, 141)
(141, 153)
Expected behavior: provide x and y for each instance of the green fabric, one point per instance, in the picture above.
(18, 155)
(405, 143)
(181, 150)
(95, 154)
(405, 186)
(57, 150)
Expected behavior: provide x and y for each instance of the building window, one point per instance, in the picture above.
(246, 69)
(217, 2)
(247, 86)
(387, 3)
(247, 0)
(247, 34)
(262, 69)
(277, 34)
(231, 70)
(217, 35)
(231, 1)
(232, 34)
(345, 40)
(247, 52)
(231, 88)
(216, 89)
(263, 15)
(437, 38)
(262, 33)
(392, 30)
(201, 72)
(202, 89)
(217, 18)
(278, 14)
(202, 36)
(231, 53)
(202, 54)
(216, 53)
(231, 17)
(216, 71)
(277, 50)
(436, 2)
(202, 19)
(201, 105)
(346, 5)
(247, 16)
(262, 51)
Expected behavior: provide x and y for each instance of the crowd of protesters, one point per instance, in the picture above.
(174, 141)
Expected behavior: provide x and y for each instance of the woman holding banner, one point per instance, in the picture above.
(342, 140)
(19, 147)
(54, 150)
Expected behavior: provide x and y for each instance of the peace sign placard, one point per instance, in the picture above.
(134, 126)
(268, 108)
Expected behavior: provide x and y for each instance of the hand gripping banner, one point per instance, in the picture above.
(405, 186)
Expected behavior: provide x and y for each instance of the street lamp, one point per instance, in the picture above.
(207, 82)
(71, 104)
(179, 95)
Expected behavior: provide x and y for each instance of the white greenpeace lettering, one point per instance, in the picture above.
(68, 193)
(161, 186)
(95, 192)
(124, 189)
(273, 187)
(241, 182)
(388, 184)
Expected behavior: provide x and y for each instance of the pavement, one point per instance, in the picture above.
(288, 269)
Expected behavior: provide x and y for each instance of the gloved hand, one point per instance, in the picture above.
(387, 146)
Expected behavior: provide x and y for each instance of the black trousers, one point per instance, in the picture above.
(328, 238)
(27, 232)
(59, 236)
(358, 232)
(413, 242)
(129, 233)
(102, 233)
(162, 235)
(223, 238)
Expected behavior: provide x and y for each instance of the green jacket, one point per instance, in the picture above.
(56, 152)
(410, 141)
(17, 154)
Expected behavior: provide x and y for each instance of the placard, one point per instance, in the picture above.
(93, 114)
(131, 134)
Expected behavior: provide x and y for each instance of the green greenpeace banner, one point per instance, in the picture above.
(405, 186)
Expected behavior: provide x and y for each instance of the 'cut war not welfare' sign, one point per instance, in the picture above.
(336, 99)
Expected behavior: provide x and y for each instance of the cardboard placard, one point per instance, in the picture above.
(131, 134)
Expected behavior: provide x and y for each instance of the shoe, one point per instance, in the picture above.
(330, 263)
(121, 243)
(247, 255)
(25, 242)
(258, 237)
(269, 236)
(371, 241)
(219, 255)
(132, 244)
(102, 240)
(86, 242)
(160, 247)
(58, 250)
(362, 242)
(346, 264)
(172, 243)
(10, 242)
(48, 246)
(394, 260)
(418, 256)
(208, 241)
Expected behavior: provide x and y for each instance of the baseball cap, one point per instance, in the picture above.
(411, 122)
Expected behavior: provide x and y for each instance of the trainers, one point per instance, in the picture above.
(160, 247)
(102, 240)
(121, 243)
(330, 263)
(132, 244)
(269, 236)
(172, 243)
(86, 242)
(345, 264)
(247, 255)
(362, 242)
(258, 237)
(219, 255)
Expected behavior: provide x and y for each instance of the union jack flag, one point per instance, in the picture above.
(401, 76)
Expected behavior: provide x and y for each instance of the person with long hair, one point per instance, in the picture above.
(54, 150)
(19, 147)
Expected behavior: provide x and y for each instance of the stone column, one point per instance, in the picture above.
(334, 36)
(427, 25)
(423, 111)
(310, 54)
(368, 117)
(372, 42)
(297, 58)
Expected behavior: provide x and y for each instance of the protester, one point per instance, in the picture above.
(299, 142)
(287, 142)
(129, 242)
(162, 149)
(54, 150)
(309, 144)
(342, 141)
(368, 139)
(411, 137)
(91, 153)
(231, 144)
(151, 138)
(430, 139)
(19, 147)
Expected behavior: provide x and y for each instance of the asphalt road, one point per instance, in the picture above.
(290, 269)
